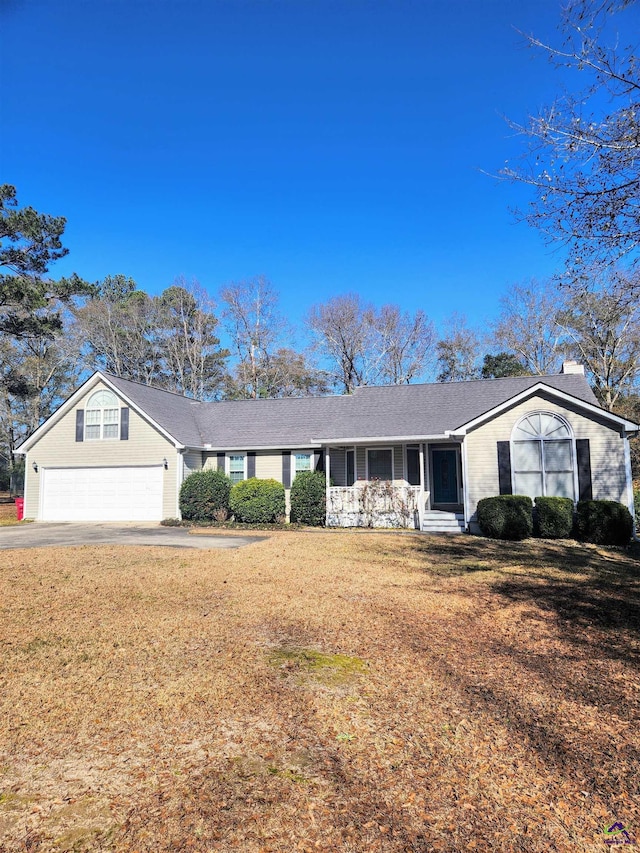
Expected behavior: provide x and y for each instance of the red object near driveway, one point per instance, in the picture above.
(20, 508)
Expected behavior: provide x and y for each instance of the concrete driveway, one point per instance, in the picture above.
(42, 535)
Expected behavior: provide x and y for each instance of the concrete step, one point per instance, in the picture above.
(435, 521)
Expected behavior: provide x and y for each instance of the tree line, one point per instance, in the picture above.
(54, 333)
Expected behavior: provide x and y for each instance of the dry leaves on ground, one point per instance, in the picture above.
(319, 691)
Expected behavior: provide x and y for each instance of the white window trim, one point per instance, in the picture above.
(101, 409)
(574, 456)
(227, 463)
(308, 453)
(393, 472)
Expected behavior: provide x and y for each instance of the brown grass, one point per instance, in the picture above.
(334, 692)
(8, 515)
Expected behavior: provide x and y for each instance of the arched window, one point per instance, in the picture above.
(102, 416)
(543, 456)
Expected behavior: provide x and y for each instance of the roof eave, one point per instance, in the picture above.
(379, 439)
(78, 394)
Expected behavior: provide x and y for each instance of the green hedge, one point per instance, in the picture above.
(554, 518)
(257, 501)
(603, 522)
(309, 498)
(204, 494)
(506, 517)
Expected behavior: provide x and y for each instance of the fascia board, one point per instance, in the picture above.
(377, 439)
(77, 395)
(142, 413)
(299, 445)
(628, 426)
(59, 413)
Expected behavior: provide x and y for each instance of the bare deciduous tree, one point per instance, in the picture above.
(117, 329)
(458, 351)
(193, 362)
(406, 344)
(602, 329)
(255, 325)
(38, 373)
(527, 325)
(359, 345)
(583, 152)
(343, 329)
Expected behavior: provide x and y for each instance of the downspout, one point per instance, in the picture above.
(629, 478)
(421, 505)
(26, 486)
(179, 481)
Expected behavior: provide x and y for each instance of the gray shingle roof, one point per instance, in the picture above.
(389, 411)
(173, 412)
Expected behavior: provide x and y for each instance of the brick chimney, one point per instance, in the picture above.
(572, 367)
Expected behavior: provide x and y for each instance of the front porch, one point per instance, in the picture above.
(417, 486)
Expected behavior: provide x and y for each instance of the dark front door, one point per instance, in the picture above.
(445, 476)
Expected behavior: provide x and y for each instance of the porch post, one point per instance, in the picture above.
(465, 481)
(421, 498)
(327, 474)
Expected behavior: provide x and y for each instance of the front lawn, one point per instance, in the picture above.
(333, 691)
(8, 514)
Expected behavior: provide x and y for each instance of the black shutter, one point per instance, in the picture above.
(583, 454)
(251, 464)
(286, 469)
(220, 461)
(80, 425)
(504, 467)
(318, 457)
(124, 424)
(413, 466)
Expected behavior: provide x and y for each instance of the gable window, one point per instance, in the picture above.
(237, 467)
(380, 463)
(302, 462)
(102, 416)
(543, 457)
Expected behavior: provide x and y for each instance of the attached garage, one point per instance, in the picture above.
(130, 493)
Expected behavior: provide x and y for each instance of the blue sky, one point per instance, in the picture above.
(330, 145)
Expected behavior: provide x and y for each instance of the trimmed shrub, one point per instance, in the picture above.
(603, 522)
(203, 494)
(506, 517)
(553, 518)
(309, 498)
(257, 501)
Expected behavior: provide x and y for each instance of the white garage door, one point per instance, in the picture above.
(102, 494)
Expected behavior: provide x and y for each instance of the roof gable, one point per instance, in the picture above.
(120, 387)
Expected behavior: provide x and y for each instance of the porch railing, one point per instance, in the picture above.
(374, 504)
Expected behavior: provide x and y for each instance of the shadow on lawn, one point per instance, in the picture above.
(582, 586)
(451, 557)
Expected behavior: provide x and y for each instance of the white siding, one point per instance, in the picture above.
(269, 465)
